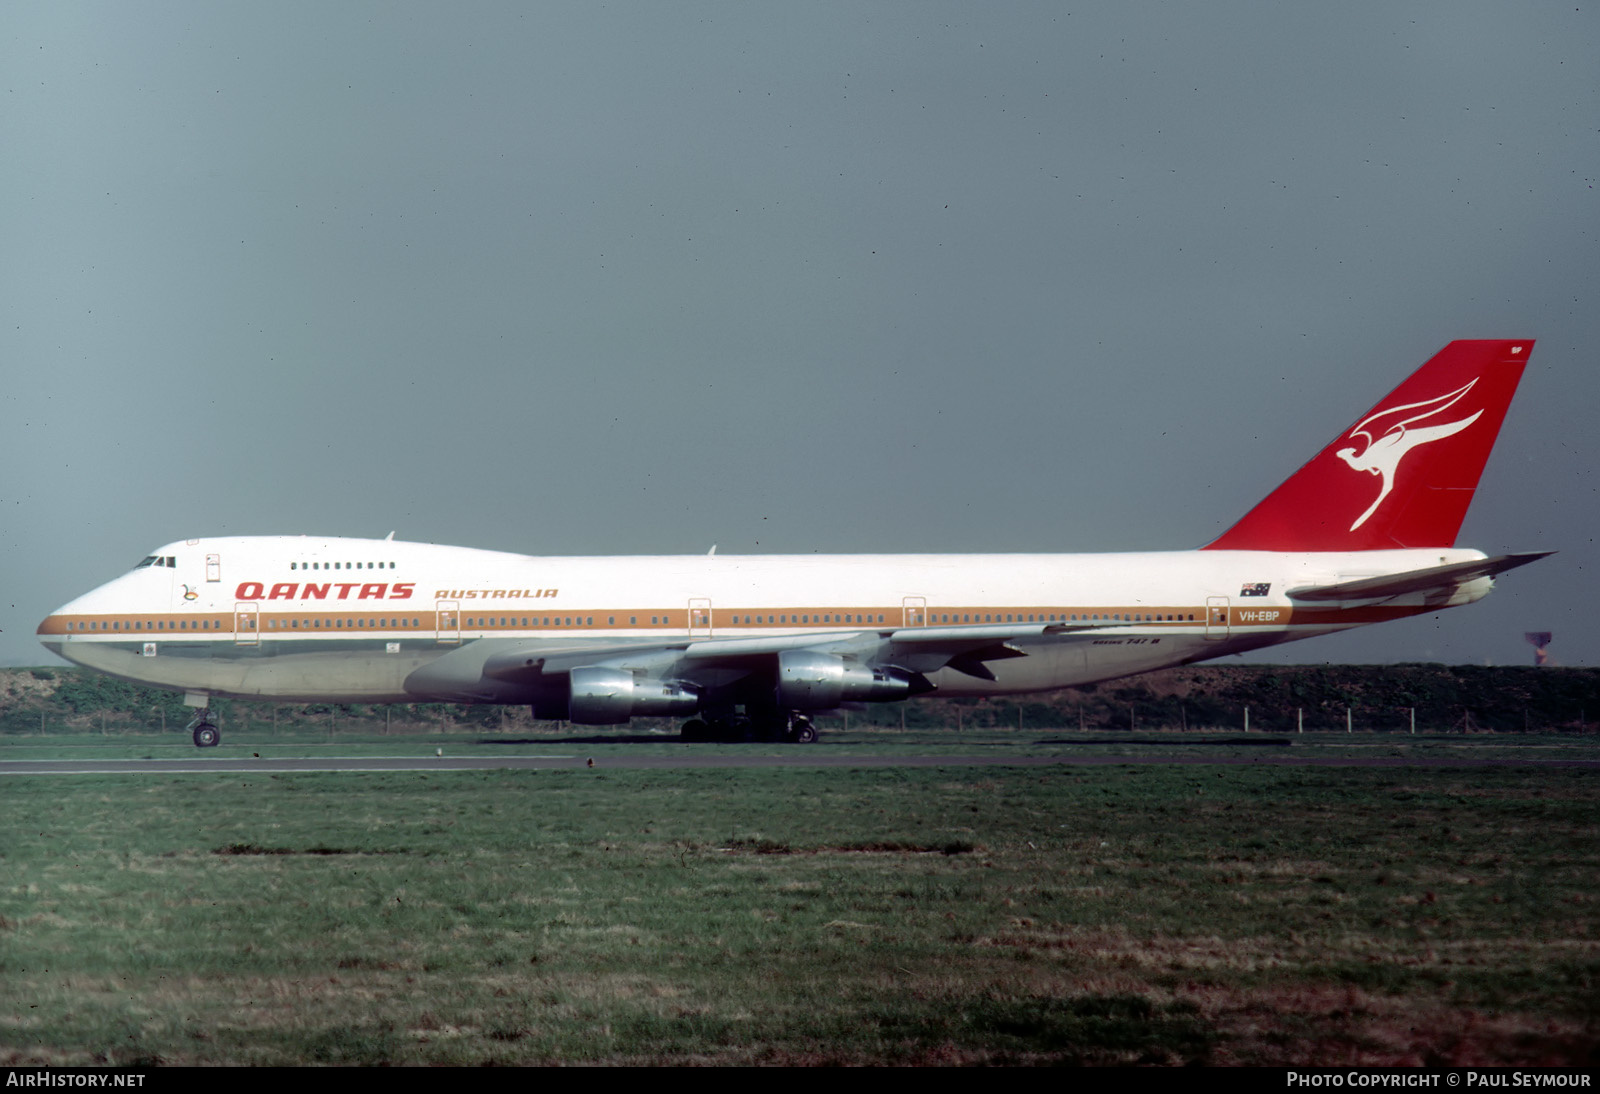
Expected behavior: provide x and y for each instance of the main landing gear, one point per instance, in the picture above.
(793, 727)
(205, 731)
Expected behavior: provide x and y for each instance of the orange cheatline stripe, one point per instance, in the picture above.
(168, 623)
(269, 624)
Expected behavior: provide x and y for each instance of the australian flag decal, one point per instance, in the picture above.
(1258, 589)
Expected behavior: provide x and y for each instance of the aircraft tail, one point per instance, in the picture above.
(1402, 475)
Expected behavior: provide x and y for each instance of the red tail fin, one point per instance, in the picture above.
(1404, 474)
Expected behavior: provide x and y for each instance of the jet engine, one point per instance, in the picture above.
(603, 696)
(808, 680)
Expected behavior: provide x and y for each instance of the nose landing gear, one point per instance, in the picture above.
(205, 731)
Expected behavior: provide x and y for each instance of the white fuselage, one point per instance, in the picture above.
(350, 620)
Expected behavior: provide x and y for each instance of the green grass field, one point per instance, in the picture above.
(1110, 914)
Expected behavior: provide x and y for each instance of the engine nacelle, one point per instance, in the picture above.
(808, 680)
(604, 697)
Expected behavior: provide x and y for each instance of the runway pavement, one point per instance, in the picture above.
(802, 757)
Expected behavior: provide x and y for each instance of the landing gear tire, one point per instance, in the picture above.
(739, 727)
(205, 731)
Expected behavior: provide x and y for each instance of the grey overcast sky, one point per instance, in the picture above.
(639, 278)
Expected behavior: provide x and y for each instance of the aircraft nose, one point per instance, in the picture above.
(52, 631)
(52, 624)
(59, 622)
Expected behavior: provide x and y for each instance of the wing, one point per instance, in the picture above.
(914, 651)
(604, 683)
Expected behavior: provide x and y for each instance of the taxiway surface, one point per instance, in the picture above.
(264, 765)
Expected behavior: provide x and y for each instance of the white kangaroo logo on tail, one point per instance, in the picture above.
(1391, 439)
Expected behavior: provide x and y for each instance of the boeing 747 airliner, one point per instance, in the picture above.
(756, 645)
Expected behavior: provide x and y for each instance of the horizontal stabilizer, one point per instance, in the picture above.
(1416, 581)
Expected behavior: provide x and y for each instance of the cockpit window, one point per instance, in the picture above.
(151, 561)
(158, 560)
